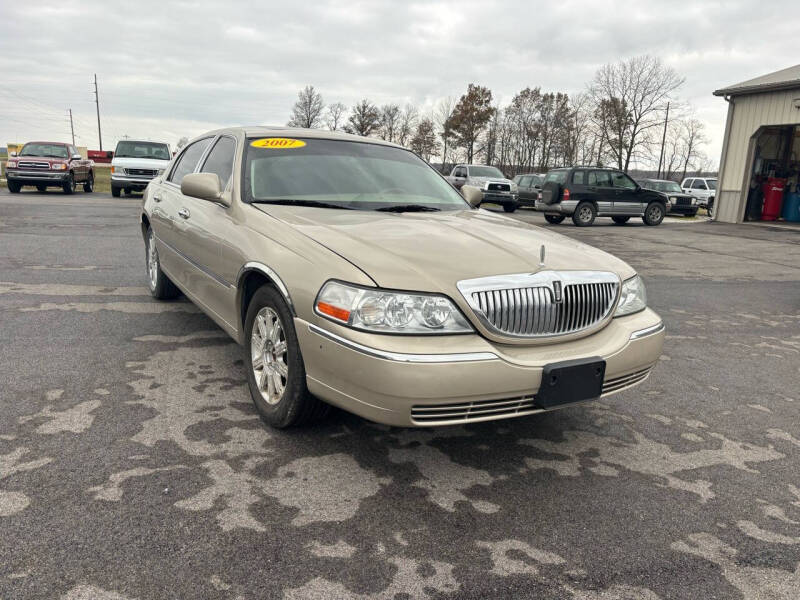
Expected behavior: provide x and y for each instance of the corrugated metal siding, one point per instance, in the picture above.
(751, 112)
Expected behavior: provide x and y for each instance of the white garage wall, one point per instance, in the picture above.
(750, 112)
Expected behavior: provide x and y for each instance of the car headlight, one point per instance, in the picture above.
(672, 199)
(383, 311)
(633, 297)
(694, 201)
(59, 166)
(12, 164)
(514, 188)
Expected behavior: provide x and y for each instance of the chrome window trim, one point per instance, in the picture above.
(545, 279)
(399, 356)
(658, 328)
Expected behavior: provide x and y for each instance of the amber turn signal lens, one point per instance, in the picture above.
(334, 311)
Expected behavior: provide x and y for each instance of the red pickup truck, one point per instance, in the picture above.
(49, 164)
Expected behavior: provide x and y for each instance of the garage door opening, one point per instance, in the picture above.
(774, 188)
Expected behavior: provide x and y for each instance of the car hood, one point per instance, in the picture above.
(433, 251)
(139, 163)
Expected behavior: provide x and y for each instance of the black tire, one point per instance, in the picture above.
(14, 187)
(554, 219)
(710, 206)
(584, 214)
(654, 214)
(295, 405)
(692, 214)
(89, 185)
(620, 220)
(69, 184)
(510, 208)
(115, 191)
(159, 284)
(41, 188)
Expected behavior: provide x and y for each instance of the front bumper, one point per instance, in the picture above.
(461, 379)
(130, 182)
(682, 209)
(557, 208)
(37, 177)
(499, 197)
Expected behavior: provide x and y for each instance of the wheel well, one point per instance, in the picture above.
(145, 224)
(251, 282)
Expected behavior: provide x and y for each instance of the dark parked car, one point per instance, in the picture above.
(678, 202)
(588, 192)
(530, 186)
(49, 164)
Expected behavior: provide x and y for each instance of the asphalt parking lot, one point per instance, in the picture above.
(133, 465)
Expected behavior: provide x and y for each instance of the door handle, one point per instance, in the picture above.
(184, 213)
(156, 198)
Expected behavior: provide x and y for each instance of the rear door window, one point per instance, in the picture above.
(699, 184)
(578, 177)
(600, 178)
(525, 182)
(188, 161)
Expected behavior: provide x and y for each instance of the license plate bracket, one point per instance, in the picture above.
(571, 381)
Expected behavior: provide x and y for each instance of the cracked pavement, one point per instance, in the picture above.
(133, 464)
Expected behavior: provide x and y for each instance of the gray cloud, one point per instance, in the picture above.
(173, 69)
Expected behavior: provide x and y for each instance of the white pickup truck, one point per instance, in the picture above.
(135, 163)
(493, 184)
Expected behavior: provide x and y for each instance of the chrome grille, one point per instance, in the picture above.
(142, 172)
(33, 164)
(498, 187)
(542, 304)
(619, 383)
(463, 412)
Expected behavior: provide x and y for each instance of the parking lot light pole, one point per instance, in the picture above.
(663, 142)
(71, 126)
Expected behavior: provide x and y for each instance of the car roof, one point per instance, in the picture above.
(144, 142)
(278, 131)
(51, 143)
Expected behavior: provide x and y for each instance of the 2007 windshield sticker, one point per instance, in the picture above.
(277, 143)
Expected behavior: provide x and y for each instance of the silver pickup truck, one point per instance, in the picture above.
(493, 184)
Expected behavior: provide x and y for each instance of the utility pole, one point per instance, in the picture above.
(663, 143)
(71, 127)
(97, 102)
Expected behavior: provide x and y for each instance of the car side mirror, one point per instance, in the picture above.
(472, 195)
(76, 157)
(205, 186)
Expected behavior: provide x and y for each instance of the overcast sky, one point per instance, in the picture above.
(169, 69)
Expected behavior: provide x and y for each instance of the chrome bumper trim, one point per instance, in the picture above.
(401, 357)
(658, 328)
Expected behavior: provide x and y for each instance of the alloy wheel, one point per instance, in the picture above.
(268, 353)
(152, 260)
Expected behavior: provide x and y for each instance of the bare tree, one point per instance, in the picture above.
(182, 142)
(365, 119)
(408, 121)
(693, 138)
(335, 116)
(631, 96)
(390, 121)
(307, 111)
(442, 115)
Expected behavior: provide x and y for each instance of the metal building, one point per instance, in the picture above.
(761, 143)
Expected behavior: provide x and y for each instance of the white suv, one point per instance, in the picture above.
(135, 163)
(702, 188)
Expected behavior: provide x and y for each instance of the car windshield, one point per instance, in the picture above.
(44, 150)
(343, 174)
(712, 184)
(154, 150)
(485, 172)
(557, 176)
